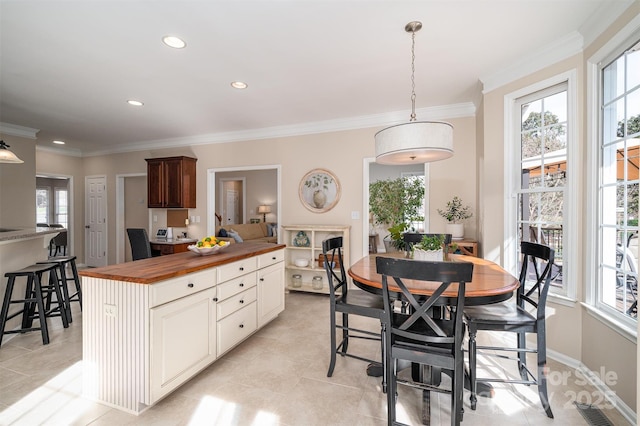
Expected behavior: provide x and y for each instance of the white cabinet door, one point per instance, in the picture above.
(183, 340)
(270, 293)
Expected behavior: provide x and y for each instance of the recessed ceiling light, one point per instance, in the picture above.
(239, 85)
(173, 41)
(59, 142)
(134, 102)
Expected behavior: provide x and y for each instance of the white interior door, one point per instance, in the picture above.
(231, 207)
(95, 221)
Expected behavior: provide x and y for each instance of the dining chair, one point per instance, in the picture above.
(140, 245)
(525, 315)
(349, 301)
(417, 336)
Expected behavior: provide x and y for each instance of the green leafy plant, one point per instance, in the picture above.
(433, 242)
(455, 211)
(396, 203)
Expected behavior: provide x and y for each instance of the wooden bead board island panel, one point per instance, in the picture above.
(152, 324)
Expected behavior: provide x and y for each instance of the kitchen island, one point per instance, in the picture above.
(152, 324)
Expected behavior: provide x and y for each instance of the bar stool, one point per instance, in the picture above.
(62, 262)
(34, 300)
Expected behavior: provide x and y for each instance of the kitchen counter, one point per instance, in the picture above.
(15, 233)
(149, 271)
(173, 241)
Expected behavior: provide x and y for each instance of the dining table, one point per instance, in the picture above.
(490, 284)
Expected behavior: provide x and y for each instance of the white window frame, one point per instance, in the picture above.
(624, 324)
(56, 205)
(49, 203)
(512, 177)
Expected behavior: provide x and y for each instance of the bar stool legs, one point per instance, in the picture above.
(62, 263)
(33, 303)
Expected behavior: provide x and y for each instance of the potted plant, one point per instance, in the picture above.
(396, 203)
(454, 214)
(430, 248)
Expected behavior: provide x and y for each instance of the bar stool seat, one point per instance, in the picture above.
(36, 294)
(62, 262)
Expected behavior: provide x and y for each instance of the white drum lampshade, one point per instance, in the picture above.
(414, 142)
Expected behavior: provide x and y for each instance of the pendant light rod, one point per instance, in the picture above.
(412, 27)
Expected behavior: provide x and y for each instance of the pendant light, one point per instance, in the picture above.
(7, 156)
(416, 141)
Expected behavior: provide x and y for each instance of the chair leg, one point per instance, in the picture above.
(383, 340)
(391, 391)
(76, 280)
(37, 286)
(542, 371)
(345, 332)
(472, 368)
(457, 393)
(5, 306)
(332, 363)
(65, 292)
(522, 356)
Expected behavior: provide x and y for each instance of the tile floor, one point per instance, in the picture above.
(276, 377)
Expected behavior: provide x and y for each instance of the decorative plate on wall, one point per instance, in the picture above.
(319, 190)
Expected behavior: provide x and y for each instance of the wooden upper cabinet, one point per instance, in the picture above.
(171, 182)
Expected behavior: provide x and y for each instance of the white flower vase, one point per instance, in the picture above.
(429, 255)
(456, 230)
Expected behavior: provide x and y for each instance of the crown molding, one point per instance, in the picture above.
(21, 131)
(376, 120)
(560, 49)
(61, 151)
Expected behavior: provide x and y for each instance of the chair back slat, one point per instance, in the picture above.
(333, 265)
(539, 258)
(419, 324)
(140, 245)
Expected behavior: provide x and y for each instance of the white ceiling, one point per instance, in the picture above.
(68, 67)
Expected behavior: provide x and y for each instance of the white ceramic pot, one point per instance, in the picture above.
(430, 255)
(456, 230)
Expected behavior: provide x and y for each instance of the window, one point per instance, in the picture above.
(418, 225)
(617, 212)
(541, 173)
(42, 204)
(61, 206)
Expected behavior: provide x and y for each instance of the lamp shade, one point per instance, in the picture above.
(7, 156)
(264, 209)
(414, 142)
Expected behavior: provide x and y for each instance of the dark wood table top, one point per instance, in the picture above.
(490, 283)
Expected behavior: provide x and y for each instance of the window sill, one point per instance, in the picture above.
(617, 326)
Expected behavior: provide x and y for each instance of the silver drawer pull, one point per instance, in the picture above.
(241, 325)
(190, 285)
(241, 301)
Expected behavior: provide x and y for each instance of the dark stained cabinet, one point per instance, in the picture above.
(171, 182)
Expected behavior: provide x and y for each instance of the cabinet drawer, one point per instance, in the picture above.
(236, 327)
(236, 302)
(235, 269)
(166, 291)
(271, 258)
(236, 286)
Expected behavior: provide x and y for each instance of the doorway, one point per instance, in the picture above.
(373, 172)
(232, 201)
(131, 210)
(95, 213)
(55, 203)
(261, 186)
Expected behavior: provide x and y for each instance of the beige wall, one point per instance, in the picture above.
(18, 185)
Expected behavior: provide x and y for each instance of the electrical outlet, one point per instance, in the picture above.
(193, 219)
(155, 217)
(355, 215)
(197, 219)
(110, 310)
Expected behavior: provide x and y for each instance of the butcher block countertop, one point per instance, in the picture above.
(149, 271)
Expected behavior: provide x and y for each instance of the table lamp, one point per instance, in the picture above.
(264, 210)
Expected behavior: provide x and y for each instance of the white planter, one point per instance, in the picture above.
(431, 255)
(456, 230)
